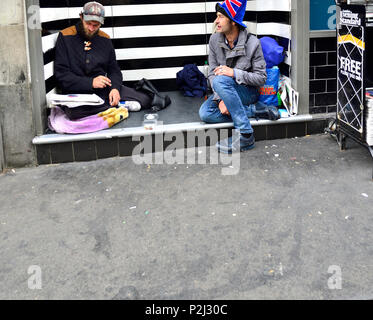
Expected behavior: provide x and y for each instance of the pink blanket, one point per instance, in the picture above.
(59, 122)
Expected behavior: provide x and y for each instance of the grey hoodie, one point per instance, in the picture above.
(246, 58)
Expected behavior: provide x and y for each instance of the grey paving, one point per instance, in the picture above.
(113, 229)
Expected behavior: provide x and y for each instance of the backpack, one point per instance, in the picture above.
(273, 53)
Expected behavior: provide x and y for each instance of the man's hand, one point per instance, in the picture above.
(224, 71)
(114, 97)
(223, 108)
(101, 82)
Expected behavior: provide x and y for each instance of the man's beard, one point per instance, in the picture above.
(84, 33)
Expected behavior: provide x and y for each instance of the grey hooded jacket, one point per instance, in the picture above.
(246, 58)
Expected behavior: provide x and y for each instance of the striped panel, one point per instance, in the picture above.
(153, 74)
(53, 14)
(154, 39)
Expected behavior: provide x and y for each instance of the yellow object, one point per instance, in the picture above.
(114, 115)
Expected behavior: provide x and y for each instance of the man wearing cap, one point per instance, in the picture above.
(237, 70)
(85, 63)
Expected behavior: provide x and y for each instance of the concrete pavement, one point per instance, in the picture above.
(295, 223)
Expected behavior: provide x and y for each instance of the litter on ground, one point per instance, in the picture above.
(365, 195)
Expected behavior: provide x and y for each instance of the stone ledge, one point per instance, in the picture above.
(169, 128)
(124, 144)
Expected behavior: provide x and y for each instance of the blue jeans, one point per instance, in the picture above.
(239, 100)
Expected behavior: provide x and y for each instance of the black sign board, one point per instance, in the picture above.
(351, 49)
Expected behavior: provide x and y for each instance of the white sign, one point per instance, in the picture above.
(350, 68)
(347, 17)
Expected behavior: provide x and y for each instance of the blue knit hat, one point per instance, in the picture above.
(235, 10)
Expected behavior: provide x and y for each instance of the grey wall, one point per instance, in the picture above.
(16, 116)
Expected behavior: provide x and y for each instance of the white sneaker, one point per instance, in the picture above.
(132, 106)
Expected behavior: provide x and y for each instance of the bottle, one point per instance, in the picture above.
(206, 69)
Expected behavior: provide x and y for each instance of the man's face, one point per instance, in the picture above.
(223, 24)
(90, 28)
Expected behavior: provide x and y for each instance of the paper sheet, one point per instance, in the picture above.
(74, 100)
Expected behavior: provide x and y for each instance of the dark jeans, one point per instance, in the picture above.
(239, 100)
(126, 93)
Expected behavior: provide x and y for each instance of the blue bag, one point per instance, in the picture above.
(273, 53)
(268, 92)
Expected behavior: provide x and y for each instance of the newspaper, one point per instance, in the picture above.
(289, 97)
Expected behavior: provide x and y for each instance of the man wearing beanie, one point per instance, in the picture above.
(85, 63)
(237, 70)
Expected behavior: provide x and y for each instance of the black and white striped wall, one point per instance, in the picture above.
(155, 39)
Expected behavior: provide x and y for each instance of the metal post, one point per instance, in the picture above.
(36, 65)
(2, 160)
(300, 51)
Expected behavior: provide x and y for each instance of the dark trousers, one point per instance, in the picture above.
(126, 94)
